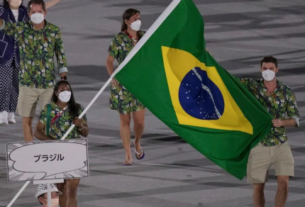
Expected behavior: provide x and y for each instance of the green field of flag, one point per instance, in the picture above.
(174, 76)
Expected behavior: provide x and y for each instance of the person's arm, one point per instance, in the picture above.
(112, 54)
(110, 68)
(292, 109)
(292, 112)
(40, 132)
(81, 126)
(10, 29)
(249, 83)
(245, 81)
(51, 3)
(60, 55)
(284, 122)
(109, 64)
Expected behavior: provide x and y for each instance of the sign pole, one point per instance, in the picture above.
(41, 159)
(48, 182)
(49, 195)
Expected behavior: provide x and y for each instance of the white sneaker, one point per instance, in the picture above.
(11, 118)
(3, 118)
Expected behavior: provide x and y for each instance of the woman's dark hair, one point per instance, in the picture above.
(41, 196)
(127, 15)
(73, 107)
(6, 4)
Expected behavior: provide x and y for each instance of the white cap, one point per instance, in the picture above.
(43, 188)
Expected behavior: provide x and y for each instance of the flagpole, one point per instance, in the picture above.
(18, 194)
(138, 46)
(132, 53)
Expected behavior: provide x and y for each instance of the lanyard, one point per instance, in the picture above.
(131, 37)
(58, 115)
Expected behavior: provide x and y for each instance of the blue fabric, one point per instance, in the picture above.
(8, 45)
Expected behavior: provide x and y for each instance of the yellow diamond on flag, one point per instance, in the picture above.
(199, 96)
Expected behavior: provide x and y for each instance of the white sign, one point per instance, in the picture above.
(47, 160)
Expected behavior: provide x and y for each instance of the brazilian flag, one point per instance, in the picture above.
(173, 75)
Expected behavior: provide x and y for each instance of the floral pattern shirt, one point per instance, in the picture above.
(121, 45)
(37, 49)
(281, 104)
(60, 122)
(120, 98)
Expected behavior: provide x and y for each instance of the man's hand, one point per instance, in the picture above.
(284, 122)
(277, 123)
(63, 75)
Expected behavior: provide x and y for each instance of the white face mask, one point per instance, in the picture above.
(64, 96)
(15, 3)
(54, 202)
(37, 18)
(268, 75)
(136, 25)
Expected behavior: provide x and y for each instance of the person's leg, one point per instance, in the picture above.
(125, 136)
(62, 198)
(71, 191)
(257, 171)
(258, 195)
(14, 95)
(26, 106)
(3, 117)
(138, 119)
(5, 82)
(27, 128)
(28, 103)
(284, 167)
(282, 191)
(45, 96)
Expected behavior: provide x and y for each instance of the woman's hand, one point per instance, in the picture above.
(82, 127)
(78, 122)
(40, 132)
(114, 82)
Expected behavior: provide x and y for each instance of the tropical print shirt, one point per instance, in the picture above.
(281, 104)
(121, 45)
(37, 49)
(120, 98)
(60, 121)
